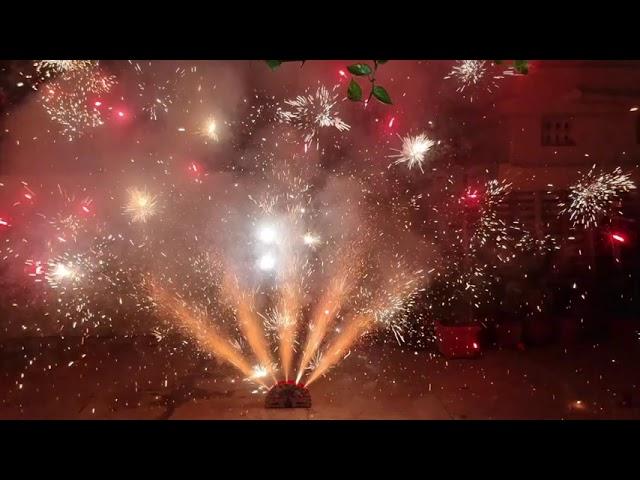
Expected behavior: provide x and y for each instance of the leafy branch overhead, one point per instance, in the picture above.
(354, 90)
(520, 66)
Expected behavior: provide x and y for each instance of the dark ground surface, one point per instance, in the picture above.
(142, 379)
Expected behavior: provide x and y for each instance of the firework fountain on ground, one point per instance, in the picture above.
(279, 273)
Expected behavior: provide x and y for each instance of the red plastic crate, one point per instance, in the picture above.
(459, 341)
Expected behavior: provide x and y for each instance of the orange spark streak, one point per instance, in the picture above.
(340, 345)
(206, 336)
(324, 314)
(248, 322)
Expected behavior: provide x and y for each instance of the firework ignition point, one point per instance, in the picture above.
(288, 394)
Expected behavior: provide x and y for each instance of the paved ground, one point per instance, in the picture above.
(125, 379)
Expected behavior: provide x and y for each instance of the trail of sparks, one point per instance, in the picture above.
(247, 321)
(206, 336)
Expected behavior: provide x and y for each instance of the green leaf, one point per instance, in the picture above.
(498, 62)
(273, 64)
(521, 66)
(380, 62)
(354, 92)
(382, 95)
(359, 69)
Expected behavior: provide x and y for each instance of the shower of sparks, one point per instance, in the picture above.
(141, 205)
(69, 100)
(275, 322)
(155, 94)
(595, 195)
(490, 225)
(397, 299)
(471, 74)
(63, 66)
(59, 272)
(414, 150)
(279, 267)
(311, 112)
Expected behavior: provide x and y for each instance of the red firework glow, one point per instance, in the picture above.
(195, 171)
(618, 238)
(471, 198)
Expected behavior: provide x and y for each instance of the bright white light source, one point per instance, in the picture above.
(259, 372)
(267, 234)
(310, 239)
(61, 271)
(267, 262)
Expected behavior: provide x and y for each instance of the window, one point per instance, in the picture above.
(556, 131)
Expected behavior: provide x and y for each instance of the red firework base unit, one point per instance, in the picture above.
(458, 341)
(288, 394)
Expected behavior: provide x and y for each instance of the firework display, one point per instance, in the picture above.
(200, 212)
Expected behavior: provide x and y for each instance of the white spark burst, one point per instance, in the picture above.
(210, 129)
(141, 205)
(414, 150)
(310, 113)
(310, 239)
(61, 66)
(471, 74)
(593, 196)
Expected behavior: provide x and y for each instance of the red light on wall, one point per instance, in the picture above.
(342, 73)
(4, 222)
(391, 122)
